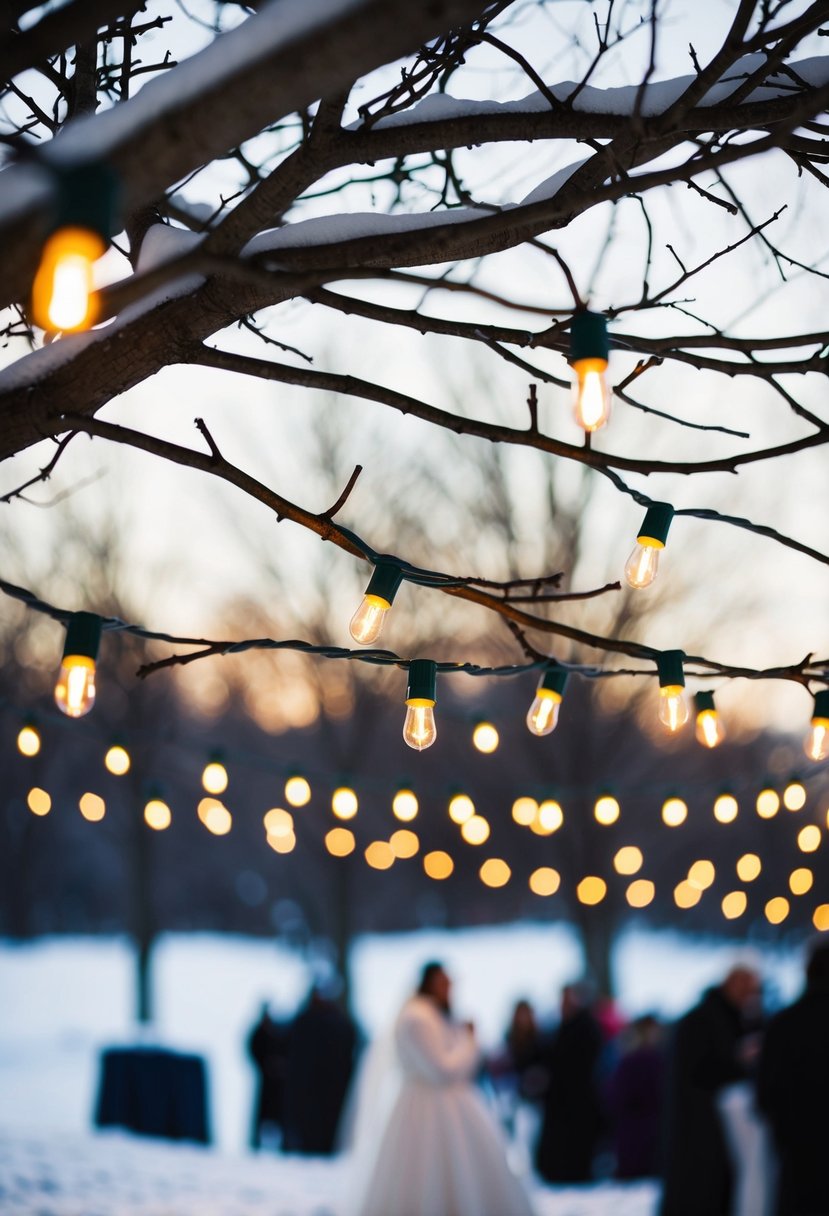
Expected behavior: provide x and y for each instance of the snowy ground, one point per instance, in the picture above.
(63, 999)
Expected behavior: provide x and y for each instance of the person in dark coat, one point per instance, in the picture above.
(267, 1045)
(793, 1093)
(572, 1118)
(711, 1047)
(635, 1096)
(322, 1042)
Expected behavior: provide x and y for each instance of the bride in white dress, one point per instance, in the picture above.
(441, 1152)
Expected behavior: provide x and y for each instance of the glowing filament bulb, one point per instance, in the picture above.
(419, 730)
(75, 687)
(642, 565)
(63, 297)
(709, 730)
(367, 621)
(673, 707)
(542, 716)
(816, 743)
(591, 394)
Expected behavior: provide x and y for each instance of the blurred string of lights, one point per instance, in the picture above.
(75, 685)
(543, 818)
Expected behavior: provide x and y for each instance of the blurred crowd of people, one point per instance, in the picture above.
(727, 1107)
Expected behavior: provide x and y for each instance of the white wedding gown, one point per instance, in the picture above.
(441, 1152)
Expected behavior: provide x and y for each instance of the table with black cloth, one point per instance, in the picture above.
(153, 1091)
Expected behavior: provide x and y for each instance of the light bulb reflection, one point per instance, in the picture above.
(75, 689)
(591, 395)
(419, 730)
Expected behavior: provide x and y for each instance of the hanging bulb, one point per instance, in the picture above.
(816, 743)
(588, 357)
(419, 729)
(642, 565)
(367, 621)
(63, 296)
(542, 716)
(673, 704)
(709, 729)
(75, 688)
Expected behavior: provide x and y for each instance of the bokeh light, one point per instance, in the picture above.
(461, 808)
(438, 865)
(640, 893)
(686, 896)
(405, 806)
(545, 881)
(768, 803)
(674, 812)
(550, 816)
(591, 890)
(808, 838)
(214, 777)
(157, 815)
(726, 808)
(801, 880)
(734, 904)
(486, 738)
(38, 801)
(278, 822)
(297, 791)
(777, 910)
(344, 802)
(404, 843)
(820, 919)
(92, 807)
(340, 842)
(606, 810)
(701, 875)
(495, 872)
(749, 867)
(379, 855)
(794, 796)
(28, 741)
(117, 760)
(475, 830)
(524, 811)
(628, 860)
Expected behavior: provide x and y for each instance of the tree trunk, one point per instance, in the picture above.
(597, 945)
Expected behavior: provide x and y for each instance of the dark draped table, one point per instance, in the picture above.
(153, 1091)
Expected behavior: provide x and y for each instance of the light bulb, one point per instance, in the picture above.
(816, 743)
(419, 729)
(367, 621)
(591, 394)
(642, 566)
(63, 297)
(710, 731)
(542, 716)
(75, 689)
(28, 740)
(214, 778)
(673, 706)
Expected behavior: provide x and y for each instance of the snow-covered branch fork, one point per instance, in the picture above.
(304, 108)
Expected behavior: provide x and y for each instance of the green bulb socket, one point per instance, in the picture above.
(588, 336)
(821, 708)
(385, 581)
(422, 680)
(657, 521)
(553, 680)
(704, 702)
(669, 666)
(83, 635)
(86, 196)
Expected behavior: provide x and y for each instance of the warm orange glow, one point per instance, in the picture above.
(404, 843)
(808, 838)
(28, 741)
(157, 815)
(726, 808)
(379, 855)
(591, 890)
(777, 910)
(282, 844)
(278, 822)
(794, 796)
(591, 395)
(734, 904)
(38, 801)
(801, 880)
(768, 803)
(438, 865)
(640, 893)
(674, 812)
(405, 806)
(344, 802)
(749, 867)
(75, 688)
(820, 919)
(524, 811)
(92, 807)
(340, 842)
(628, 860)
(486, 738)
(217, 818)
(475, 830)
(606, 810)
(701, 875)
(63, 296)
(686, 896)
(545, 881)
(117, 761)
(461, 808)
(214, 778)
(297, 791)
(550, 816)
(204, 807)
(495, 872)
